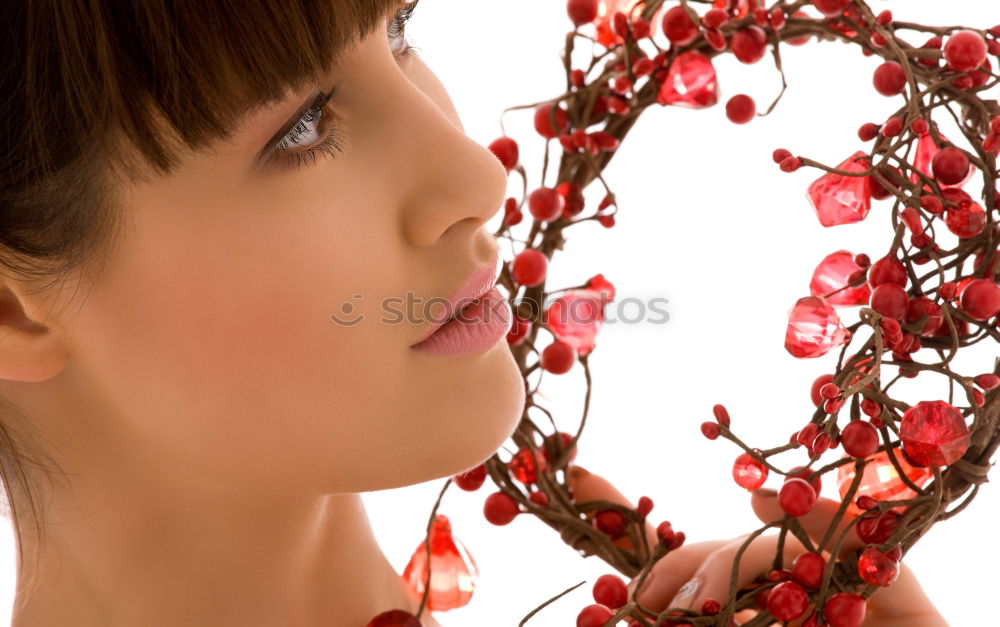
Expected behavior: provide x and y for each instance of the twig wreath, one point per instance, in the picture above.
(933, 291)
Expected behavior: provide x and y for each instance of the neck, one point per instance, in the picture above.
(149, 553)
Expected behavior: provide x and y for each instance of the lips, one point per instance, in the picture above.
(475, 286)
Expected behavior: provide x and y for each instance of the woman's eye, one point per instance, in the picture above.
(312, 134)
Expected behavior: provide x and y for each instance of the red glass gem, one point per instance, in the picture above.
(453, 571)
(934, 433)
(966, 218)
(691, 82)
(876, 567)
(926, 150)
(748, 472)
(525, 466)
(813, 328)
(394, 618)
(832, 273)
(576, 317)
(880, 480)
(840, 199)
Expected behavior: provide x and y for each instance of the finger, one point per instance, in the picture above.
(671, 572)
(903, 603)
(713, 577)
(586, 486)
(815, 522)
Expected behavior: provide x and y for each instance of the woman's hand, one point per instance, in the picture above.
(693, 573)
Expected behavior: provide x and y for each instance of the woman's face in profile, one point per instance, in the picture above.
(209, 343)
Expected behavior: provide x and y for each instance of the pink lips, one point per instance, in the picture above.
(479, 283)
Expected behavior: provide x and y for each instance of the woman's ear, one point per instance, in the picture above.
(29, 351)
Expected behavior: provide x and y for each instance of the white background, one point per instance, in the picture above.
(707, 221)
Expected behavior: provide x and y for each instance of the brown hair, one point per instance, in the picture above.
(88, 85)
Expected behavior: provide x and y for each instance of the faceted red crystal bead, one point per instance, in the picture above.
(926, 150)
(576, 317)
(965, 219)
(840, 199)
(876, 567)
(880, 480)
(691, 82)
(748, 472)
(526, 465)
(832, 273)
(934, 433)
(453, 571)
(394, 618)
(813, 328)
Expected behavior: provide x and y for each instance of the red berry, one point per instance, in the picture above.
(965, 50)
(665, 533)
(544, 126)
(711, 607)
(950, 166)
(887, 270)
(987, 381)
(831, 8)
(395, 618)
(802, 472)
(740, 109)
(860, 438)
(787, 601)
(820, 381)
(558, 357)
(796, 497)
(519, 329)
(644, 507)
(582, 11)
(877, 568)
(867, 131)
(555, 444)
(506, 151)
(865, 502)
(981, 299)
(594, 616)
(500, 509)
(889, 79)
(678, 26)
(714, 18)
(874, 527)
(807, 569)
(525, 465)
(890, 300)
(471, 480)
(721, 414)
(530, 267)
(790, 164)
(749, 44)
(545, 204)
(539, 498)
(780, 154)
(845, 610)
(710, 430)
(611, 591)
(612, 522)
(829, 390)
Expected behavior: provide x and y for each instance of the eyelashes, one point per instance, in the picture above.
(331, 135)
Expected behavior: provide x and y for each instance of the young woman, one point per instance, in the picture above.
(210, 213)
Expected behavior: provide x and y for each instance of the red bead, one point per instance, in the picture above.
(889, 79)
(691, 82)
(545, 204)
(519, 330)
(678, 27)
(876, 527)
(714, 18)
(612, 522)
(787, 601)
(802, 472)
(950, 165)
(453, 571)
(814, 328)
(876, 568)
(790, 164)
(576, 317)
(525, 465)
(721, 414)
(934, 433)
(981, 299)
(920, 306)
(831, 8)
(924, 156)
(594, 616)
(887, 270)
(539, 498)
(555, 444)
(558, 357)
(890, 300)
(780, 154)
(611, 591)
(748, 472)
(818, 383)
(749, 44)
(868, 131)
(740, 109)
(506, 151)
(543, 124)
(530, 267)
(879, 191)
(965, 50)
(841, 199)
(395, 618)
(500, 509)
(644, 507)
(796, 497)
(665, 533)
(471, 480)
(845, 610)
(860, 439)
(711, 607)
(830, 390)
(710, 430)
(987, 381)
(808, 568)
(832, 275)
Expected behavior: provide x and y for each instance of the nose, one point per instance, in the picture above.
(450, 180)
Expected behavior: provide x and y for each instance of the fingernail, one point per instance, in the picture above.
(687, 591)
(765, 492)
